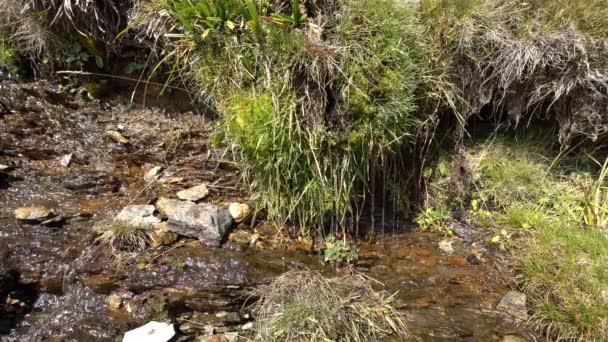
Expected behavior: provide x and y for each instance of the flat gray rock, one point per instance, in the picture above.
(194, 193)
(138, 214)
(206, 222)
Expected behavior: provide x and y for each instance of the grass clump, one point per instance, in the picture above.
(314, 104)
(305, 306)
(127, 236)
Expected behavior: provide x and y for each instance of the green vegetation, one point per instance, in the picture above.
(305, 306)
(124, 236)
(315, 97)
(536, 204)
(340, 251)
(564, 274)
(8, 58)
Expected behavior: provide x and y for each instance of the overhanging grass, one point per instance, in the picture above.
(543, 59)
(315, 108)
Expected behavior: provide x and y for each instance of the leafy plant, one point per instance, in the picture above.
(338, 251)
(433, 218)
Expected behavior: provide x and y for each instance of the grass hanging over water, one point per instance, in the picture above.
(312, 105)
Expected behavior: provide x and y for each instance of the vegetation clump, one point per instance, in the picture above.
(128, 236)
(316, 96)
(305, 306)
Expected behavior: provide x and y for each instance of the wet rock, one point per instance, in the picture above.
(93, 183)
(33, 213)
(446, 246)
(242, 237)
(473, 259)
(153, 174)
(151, 332)
(138, 214)
(267, 230)
(206, 222)
(239, 211)
(162, 235)
(247, 326)
(228, 317)
(462, 230)
(65, 160)
(513, 338)
(4, 167)
(116, 300)
(194, 194)
(514, 304)
(117, 136)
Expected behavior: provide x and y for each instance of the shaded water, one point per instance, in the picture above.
(59, 284)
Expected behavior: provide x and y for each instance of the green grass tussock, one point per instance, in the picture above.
(314, 96)
(124, 236)
(305, 306)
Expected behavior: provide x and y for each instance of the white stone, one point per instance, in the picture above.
(151, 332)
(194, 193)
(153, 174)
(239, 211)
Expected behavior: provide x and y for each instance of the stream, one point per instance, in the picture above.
(58, 285)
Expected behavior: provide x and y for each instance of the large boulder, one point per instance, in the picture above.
(206, 222)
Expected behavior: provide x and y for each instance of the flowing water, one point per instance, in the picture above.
(57, 282)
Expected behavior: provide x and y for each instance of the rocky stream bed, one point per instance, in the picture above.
(86, 160)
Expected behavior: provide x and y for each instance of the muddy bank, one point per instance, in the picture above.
(57, 285)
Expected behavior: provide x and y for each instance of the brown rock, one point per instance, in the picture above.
(162, 235)
(33, 213)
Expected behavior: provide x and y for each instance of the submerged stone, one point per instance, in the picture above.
(514, 304)
(33, 213)
(117, 137)
(194, 193)
(206, 222)
(446, 246)
(162, 235)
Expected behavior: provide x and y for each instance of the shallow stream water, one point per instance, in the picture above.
(61, 282)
